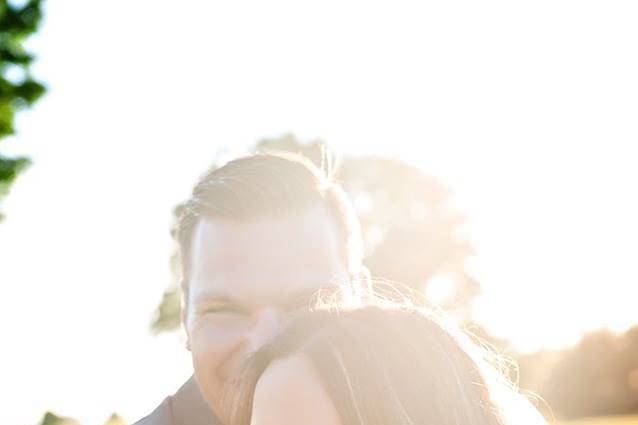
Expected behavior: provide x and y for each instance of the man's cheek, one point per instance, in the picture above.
(211, 346)
(206, 363)
(205, 346)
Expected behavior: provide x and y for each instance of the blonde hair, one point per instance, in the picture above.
(386, 363)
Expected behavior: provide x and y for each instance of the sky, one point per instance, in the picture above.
(525, 110)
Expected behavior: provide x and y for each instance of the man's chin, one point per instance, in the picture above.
(210, 394)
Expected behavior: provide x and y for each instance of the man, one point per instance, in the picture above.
(258, 238)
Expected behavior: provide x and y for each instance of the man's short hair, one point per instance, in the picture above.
(261, 186)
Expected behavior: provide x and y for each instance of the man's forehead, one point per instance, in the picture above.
(307, 223)
(266, 260)
(255, 279)
(269, 246)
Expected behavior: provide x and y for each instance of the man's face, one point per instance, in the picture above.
(245, 279)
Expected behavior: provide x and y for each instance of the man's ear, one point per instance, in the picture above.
(184, 312)
(184, 322)
(366, 280)
(362, 283)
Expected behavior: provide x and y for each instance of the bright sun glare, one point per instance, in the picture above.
(526, 110)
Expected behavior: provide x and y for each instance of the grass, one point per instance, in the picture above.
(605, 420)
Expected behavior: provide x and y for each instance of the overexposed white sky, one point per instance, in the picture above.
(526, 110)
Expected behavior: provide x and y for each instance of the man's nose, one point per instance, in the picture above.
(268, 322)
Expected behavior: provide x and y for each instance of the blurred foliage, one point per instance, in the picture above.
(17, 88)
(599, 376)
(167, 316)
(411, 234)
(53, 419)
(115, 420)
(596, 377)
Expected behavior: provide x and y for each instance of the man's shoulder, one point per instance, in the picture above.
(185, 407)
(160, 416)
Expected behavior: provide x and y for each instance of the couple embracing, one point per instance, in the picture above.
(262, 240)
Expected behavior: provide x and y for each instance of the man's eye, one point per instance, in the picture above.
(224, 310)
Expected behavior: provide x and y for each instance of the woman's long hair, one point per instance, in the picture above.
(390, 363)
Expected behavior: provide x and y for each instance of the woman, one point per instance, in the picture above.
(374, 365)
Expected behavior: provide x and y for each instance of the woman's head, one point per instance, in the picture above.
(368, 366)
